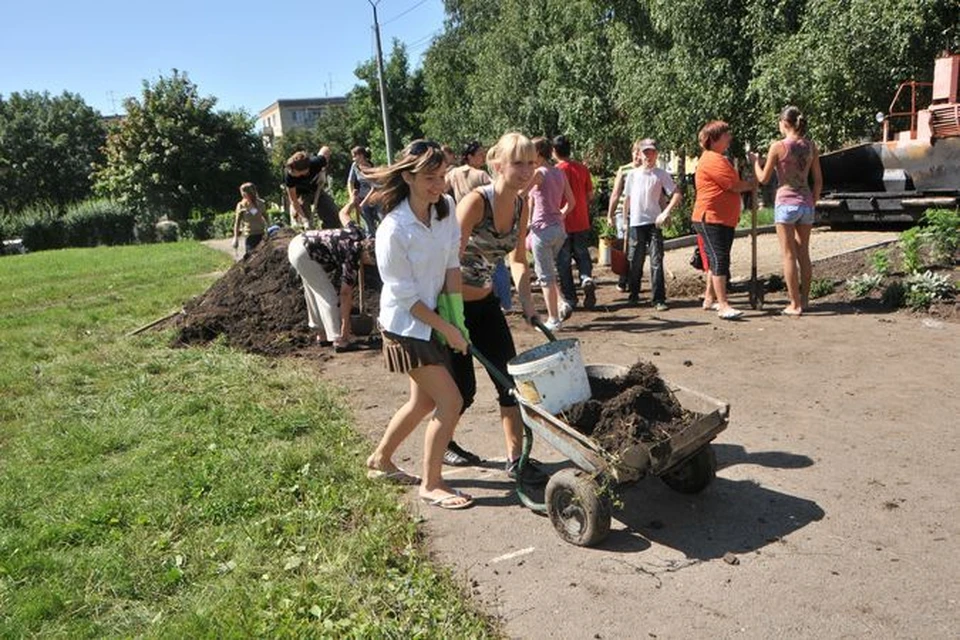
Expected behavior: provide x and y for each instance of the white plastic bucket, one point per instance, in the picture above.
(552, 375)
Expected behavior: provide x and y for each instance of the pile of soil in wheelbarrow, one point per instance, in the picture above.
(637, 406)
(258, 304)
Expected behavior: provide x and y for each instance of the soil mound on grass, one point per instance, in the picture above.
(258, 305)
(637, 406)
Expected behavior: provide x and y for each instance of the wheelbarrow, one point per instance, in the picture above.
(577, 499)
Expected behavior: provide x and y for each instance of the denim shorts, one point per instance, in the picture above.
(793, 214)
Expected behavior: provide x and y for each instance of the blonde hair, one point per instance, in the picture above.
(511, 147)
(419, 155)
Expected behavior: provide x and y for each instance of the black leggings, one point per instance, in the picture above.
(491, 336)
(717, 241)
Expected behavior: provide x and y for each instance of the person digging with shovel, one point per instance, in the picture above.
(329, 262)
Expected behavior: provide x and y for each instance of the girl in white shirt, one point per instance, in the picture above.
(417, 250)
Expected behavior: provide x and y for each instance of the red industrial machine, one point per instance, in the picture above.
(913, 169)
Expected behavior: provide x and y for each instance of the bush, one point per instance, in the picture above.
(199, 226)
(880, 260)
(910, 241)
(42, 228)
(820, 287)
(167, 230)
(942, 233)
(864, 283)
(85, 224)
(925, 288)
(99, 222)
(681, 223)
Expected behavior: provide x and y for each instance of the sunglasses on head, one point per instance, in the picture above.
(418, 147)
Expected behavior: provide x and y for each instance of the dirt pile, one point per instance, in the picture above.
(258, 304)
(637, 406)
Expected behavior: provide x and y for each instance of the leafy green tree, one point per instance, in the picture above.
(48, 146)
(607, 71)
(841, 63)
(173, 153)
(541, 67)
(406, 101)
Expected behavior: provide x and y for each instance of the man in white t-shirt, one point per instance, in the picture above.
(642, 190)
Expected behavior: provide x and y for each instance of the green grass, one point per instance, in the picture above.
(149, 491)
(764, 218)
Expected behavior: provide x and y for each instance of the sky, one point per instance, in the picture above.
(246, 54)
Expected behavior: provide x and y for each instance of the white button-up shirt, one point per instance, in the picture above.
(413, 260)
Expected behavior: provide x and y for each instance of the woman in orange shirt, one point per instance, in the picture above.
(717, 211)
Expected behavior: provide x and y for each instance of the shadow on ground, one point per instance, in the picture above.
(735, 516)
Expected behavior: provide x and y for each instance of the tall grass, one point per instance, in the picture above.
(185, 493)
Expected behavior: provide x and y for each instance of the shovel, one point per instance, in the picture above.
(756, 285)
(361, 323)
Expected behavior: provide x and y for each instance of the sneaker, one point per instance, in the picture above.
(532, 473)
(621, 288)
(566, 310)
(633, 300)
(552, 325)
(589, 293)
(661, 306)
(457, 456)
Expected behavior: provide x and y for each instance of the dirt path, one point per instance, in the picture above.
(835, 494)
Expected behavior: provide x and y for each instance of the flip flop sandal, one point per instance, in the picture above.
(730, 314)
(453, 501)
(344, 348)
(399, 477)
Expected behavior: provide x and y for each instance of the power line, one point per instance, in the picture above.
(424, 40)
(403, 13)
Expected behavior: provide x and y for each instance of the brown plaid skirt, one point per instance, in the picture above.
(403, 354)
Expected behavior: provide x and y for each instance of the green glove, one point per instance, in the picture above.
(458, 319)
(450, 308)
(443, 310)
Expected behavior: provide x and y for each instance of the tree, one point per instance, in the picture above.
(359, 122)
(406, 101)
(607, 71)
(173, 154)
(48, 146)
(842, 63)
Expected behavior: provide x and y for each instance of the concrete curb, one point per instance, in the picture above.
(689, 241)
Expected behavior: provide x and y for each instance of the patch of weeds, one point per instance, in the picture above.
(864, 283)
(880, 261)
(820, 287)
(925, 288)
(942, 232)
(910, 242)
(894, 295)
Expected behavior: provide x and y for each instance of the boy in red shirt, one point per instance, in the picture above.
(577, 226)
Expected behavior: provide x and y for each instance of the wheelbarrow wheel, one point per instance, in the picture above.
(694, 474)
(577, 508)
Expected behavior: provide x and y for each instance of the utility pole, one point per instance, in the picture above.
(383, 86)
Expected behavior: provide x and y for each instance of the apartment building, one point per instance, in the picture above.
(284, 116)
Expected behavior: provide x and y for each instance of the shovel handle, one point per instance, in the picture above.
(538, 323)
(492, 370)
